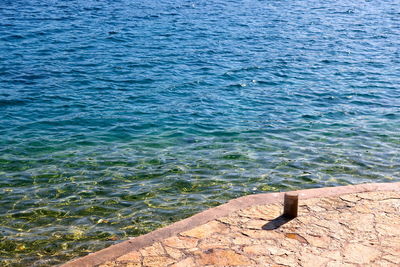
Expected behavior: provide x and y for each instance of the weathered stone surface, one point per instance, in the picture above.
(392, 259)
(350, 198)
(133, 256)
(361, 254)
(155, 250)
(285, 260)
(384, 263)
(181, 242)
(392, 205)
(315, 208)
(389, 229)
(206, 230)
(174, 253)
(255, 224)
(297, 237)
(240, 239)
(351, 230)
(262, 234)
(378, 195)
(339, 264)
(222, 257)
(277, 251)
(255, 250)
(217, 241)
(391, 242)
(234, 220)
(120, 264)
(156, 261)
(307, 259)
(259, 212)
(363, 223)
(188, 262)
(264, 261)
(319, 241)
(332, 254)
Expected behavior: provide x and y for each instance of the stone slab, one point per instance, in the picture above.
(249, 244)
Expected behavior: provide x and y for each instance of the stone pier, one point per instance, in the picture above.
(337, 226)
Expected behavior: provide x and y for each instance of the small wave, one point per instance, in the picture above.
(12, 102)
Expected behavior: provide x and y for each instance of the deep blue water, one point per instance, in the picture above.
(119, 117)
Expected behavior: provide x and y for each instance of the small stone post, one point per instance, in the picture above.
(290, 205)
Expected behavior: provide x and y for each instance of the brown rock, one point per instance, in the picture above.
(152, 261)
(384, 263)
(363, 223)
(339, 264)
(328, 203)
(390, 205)
(311, 260)
(332, 254)
(388, 229)
(108, 264)
(262, 234)
(264, 261)
(360, 254)
(311, 201)
(219, 257)
(393, 259)
(154, 250)
(297, 237)
(216, 241)
(240, 239)
(255, 250)
(174, 253)
(362, 209)
(377, 195)
(180, 242)
(234, 220)
(391, 243)
(285, 260)
(255, 224)
(131, 256)
(126, 264)
(315, 209)
(384, 217)
(319, 241)
(290, 244)
(206, 230)
(350, 198)
(317, 230)
(262, 212)
(311, 220)
(277, 251)
(188, 262)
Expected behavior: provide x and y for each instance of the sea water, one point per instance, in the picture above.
(120, 117)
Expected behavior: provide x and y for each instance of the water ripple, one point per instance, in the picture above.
(120, 117)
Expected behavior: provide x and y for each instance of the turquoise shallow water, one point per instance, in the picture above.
(119, 117)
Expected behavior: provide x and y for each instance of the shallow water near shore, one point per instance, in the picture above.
(120, 117)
